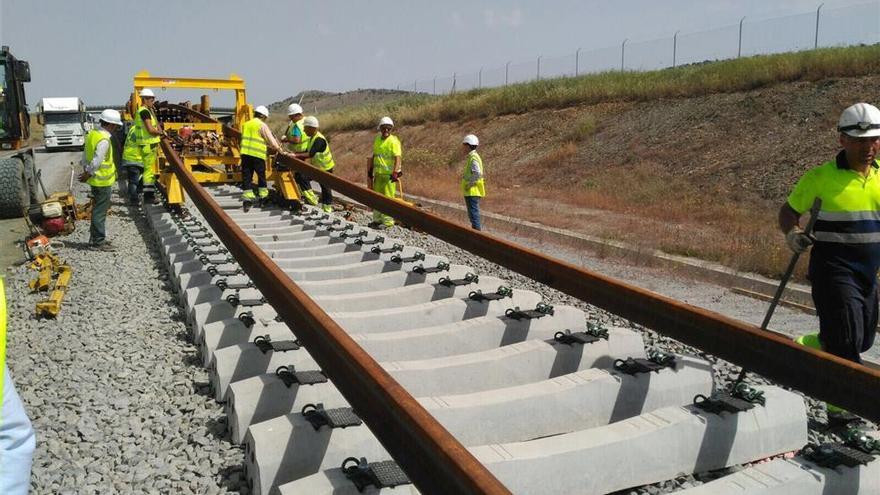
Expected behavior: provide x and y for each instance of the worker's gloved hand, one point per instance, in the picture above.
(395, 176)
(84, 176)
(798, 240)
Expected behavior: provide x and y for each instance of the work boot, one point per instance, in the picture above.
(246, 205)
(104, 246)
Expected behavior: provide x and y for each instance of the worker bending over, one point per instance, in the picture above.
(148, 134)
(320, 156)
(383, 168)
(133, 163)
(298, 142)
(99, 172)
(256, 140)
(846, 239)
(473, 182)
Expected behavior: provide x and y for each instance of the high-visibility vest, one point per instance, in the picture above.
(131, 151)
(479, 187)
(303, 145)
(252, 143)
(2, 342)
(105, 175)
(144, 137)
(324, 159)
(384, 151)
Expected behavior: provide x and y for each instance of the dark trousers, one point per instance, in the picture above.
(305, 184)
(133, 176)
(97, 229)
(847, 314)
(473, 209)
(249, 166)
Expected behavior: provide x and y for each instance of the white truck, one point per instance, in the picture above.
(65, 122)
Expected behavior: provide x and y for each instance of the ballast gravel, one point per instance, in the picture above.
(118, 398)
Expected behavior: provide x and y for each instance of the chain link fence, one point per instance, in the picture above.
(823, 27)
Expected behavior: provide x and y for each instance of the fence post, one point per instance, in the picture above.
(577, 56)
(434, 88)
(623, 53)
(674, 47)
(416, 86)
(480, 79)
(816, 41)
(739, 44)
(454, 80)
(506, 71)
(539, 67)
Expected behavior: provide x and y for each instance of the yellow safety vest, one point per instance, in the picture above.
(252, 143)
(384, 151)
(303, 145)
(324, 159)
(105, 175)
(144, 137)
(2, 342)
(479, 187)
(131, 151)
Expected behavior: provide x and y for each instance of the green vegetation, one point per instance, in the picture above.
(688, 81)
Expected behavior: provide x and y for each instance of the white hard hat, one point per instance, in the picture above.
(111, 116)
(294, 109)
(386, 121)
(147, 93)
(860, 120)
(471, 140)
(311, 121)
(262, 110)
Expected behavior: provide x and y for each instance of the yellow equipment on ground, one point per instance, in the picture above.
(208, 148)
(50, 267)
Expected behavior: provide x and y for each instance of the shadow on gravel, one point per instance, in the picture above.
(204, 389)
(218, 428)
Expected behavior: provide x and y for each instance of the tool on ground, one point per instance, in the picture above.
(50, 268)
(811, 223)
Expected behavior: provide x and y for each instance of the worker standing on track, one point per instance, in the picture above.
(17, 440)
(846, 239)
(100, 173)
(133, 163)
(256, 140)
(296, 136)
(320, 156)
(383, 168)
(473, 182)
(148, 134)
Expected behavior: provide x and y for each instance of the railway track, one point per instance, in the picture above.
(346, 358)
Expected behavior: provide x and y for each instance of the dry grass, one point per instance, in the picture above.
(695, 80)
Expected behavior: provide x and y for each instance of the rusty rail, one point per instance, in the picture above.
(816, 373)
(435, 461)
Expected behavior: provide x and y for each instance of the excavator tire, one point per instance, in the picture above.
(14, 187)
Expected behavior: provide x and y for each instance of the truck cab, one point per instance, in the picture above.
(65, 122)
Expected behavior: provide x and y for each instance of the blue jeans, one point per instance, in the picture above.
(473, 209)
(98, 230)
(17, 442)
(133, 174)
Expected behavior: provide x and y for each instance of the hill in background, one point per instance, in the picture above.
(317, 102)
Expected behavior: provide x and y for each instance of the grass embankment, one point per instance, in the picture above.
(689, 81)
(693, 160)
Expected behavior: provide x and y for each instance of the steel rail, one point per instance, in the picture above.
(435, 461)
(813, 372)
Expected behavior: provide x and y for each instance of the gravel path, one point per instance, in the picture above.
(116, 394)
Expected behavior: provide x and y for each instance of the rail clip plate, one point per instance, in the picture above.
(833, 455)
(340, 417)
(384, 474)
(265, 344)
(540, 311)
(289, 376)
(469, 278)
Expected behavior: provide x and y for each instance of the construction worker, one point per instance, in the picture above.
(256, 140)
(299, 143)
(17, 440)
(133, 163)
(320, 156)
(473, 182)
(383, 168)
(148, 134)
(846, 238)
(99, 172)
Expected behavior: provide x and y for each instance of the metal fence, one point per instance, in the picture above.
(823, 27)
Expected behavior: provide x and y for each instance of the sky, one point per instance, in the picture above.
(93, 48)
